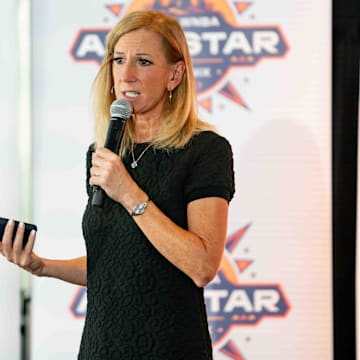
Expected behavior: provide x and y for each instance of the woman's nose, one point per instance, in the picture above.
(128, 73)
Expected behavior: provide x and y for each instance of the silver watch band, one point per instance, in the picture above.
(139, 209)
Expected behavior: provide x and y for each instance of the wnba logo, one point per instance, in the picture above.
(216, 42)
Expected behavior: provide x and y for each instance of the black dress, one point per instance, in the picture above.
(140, 306)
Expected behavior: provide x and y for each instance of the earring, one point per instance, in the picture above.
(170, 96)
(112, 90)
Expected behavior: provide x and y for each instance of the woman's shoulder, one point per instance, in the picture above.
(209, 138)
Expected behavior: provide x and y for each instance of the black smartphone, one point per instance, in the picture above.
(28, 228)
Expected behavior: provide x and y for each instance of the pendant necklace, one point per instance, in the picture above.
(134, 163)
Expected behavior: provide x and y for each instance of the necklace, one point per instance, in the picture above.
(134, 163)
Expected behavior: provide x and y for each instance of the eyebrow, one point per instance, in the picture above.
(137, 54)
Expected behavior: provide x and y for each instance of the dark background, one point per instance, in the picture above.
(345, 103)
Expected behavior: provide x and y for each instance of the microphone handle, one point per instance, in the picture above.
(97, 196)
(112, 142)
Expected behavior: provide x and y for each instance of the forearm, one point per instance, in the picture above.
(72, 270)
(197, 251)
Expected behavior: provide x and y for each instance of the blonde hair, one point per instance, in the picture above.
(180, 118)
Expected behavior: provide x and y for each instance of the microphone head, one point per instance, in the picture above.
(121, 109)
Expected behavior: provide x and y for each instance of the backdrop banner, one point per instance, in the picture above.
(263, 72)
(9, 182)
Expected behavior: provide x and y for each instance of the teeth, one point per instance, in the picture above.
(132, 94)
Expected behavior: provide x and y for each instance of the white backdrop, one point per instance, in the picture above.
(273, 103)
(9, 191)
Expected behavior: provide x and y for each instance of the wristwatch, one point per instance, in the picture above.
(139, 208)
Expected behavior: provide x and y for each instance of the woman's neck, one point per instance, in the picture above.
(145, 129)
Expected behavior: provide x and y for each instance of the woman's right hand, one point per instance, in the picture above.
(15, 253)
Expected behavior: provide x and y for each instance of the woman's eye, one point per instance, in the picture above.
(118, 60)
(145, 62)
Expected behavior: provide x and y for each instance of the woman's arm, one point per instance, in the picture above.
(198, 251)
(72, 271)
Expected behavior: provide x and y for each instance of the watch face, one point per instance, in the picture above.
(139, 209)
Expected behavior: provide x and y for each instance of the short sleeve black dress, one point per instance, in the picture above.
(140, 306)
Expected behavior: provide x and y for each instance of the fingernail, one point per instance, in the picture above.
(32, 232)
(21, 225)
(10, 222)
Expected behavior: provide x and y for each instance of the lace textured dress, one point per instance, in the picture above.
(140, 306)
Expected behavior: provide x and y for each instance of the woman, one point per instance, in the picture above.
(159, 237)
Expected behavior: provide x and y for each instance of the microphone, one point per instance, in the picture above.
(120, 111)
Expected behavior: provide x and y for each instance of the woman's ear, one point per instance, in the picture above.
(176, 75)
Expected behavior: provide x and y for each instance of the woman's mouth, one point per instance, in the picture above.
(131, 94)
